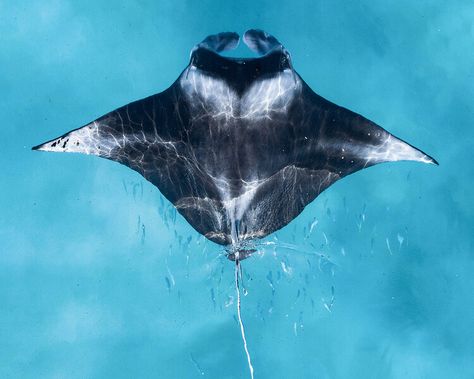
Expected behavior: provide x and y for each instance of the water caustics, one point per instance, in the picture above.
(239, 145)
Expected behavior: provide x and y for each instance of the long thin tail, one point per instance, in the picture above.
(242, 329)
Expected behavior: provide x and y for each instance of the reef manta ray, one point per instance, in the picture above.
(239, 145)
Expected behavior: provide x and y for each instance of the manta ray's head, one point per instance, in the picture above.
(272, 56)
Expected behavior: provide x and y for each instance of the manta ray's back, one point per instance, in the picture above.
(239, 146)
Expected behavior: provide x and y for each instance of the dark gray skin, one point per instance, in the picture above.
(239, 146)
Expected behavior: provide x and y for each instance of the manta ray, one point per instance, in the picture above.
(239, 145)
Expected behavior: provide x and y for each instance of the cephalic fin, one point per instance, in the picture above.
(260, 41)
(220, 42)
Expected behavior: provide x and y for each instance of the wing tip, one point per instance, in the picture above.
(81, 140)
(46, 146)
(433, 161)
(406, 151)
(428, 159)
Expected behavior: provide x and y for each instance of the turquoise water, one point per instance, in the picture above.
(100, 278)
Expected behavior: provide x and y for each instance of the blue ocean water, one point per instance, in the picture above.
(100, 278)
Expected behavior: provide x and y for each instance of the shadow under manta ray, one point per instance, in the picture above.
(239, 146)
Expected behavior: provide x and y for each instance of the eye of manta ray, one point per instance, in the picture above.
(239, 146)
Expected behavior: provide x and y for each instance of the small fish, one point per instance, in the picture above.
(388, 246)
(198, 368)
(313, 225)
(400, 239)
(213, 298)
